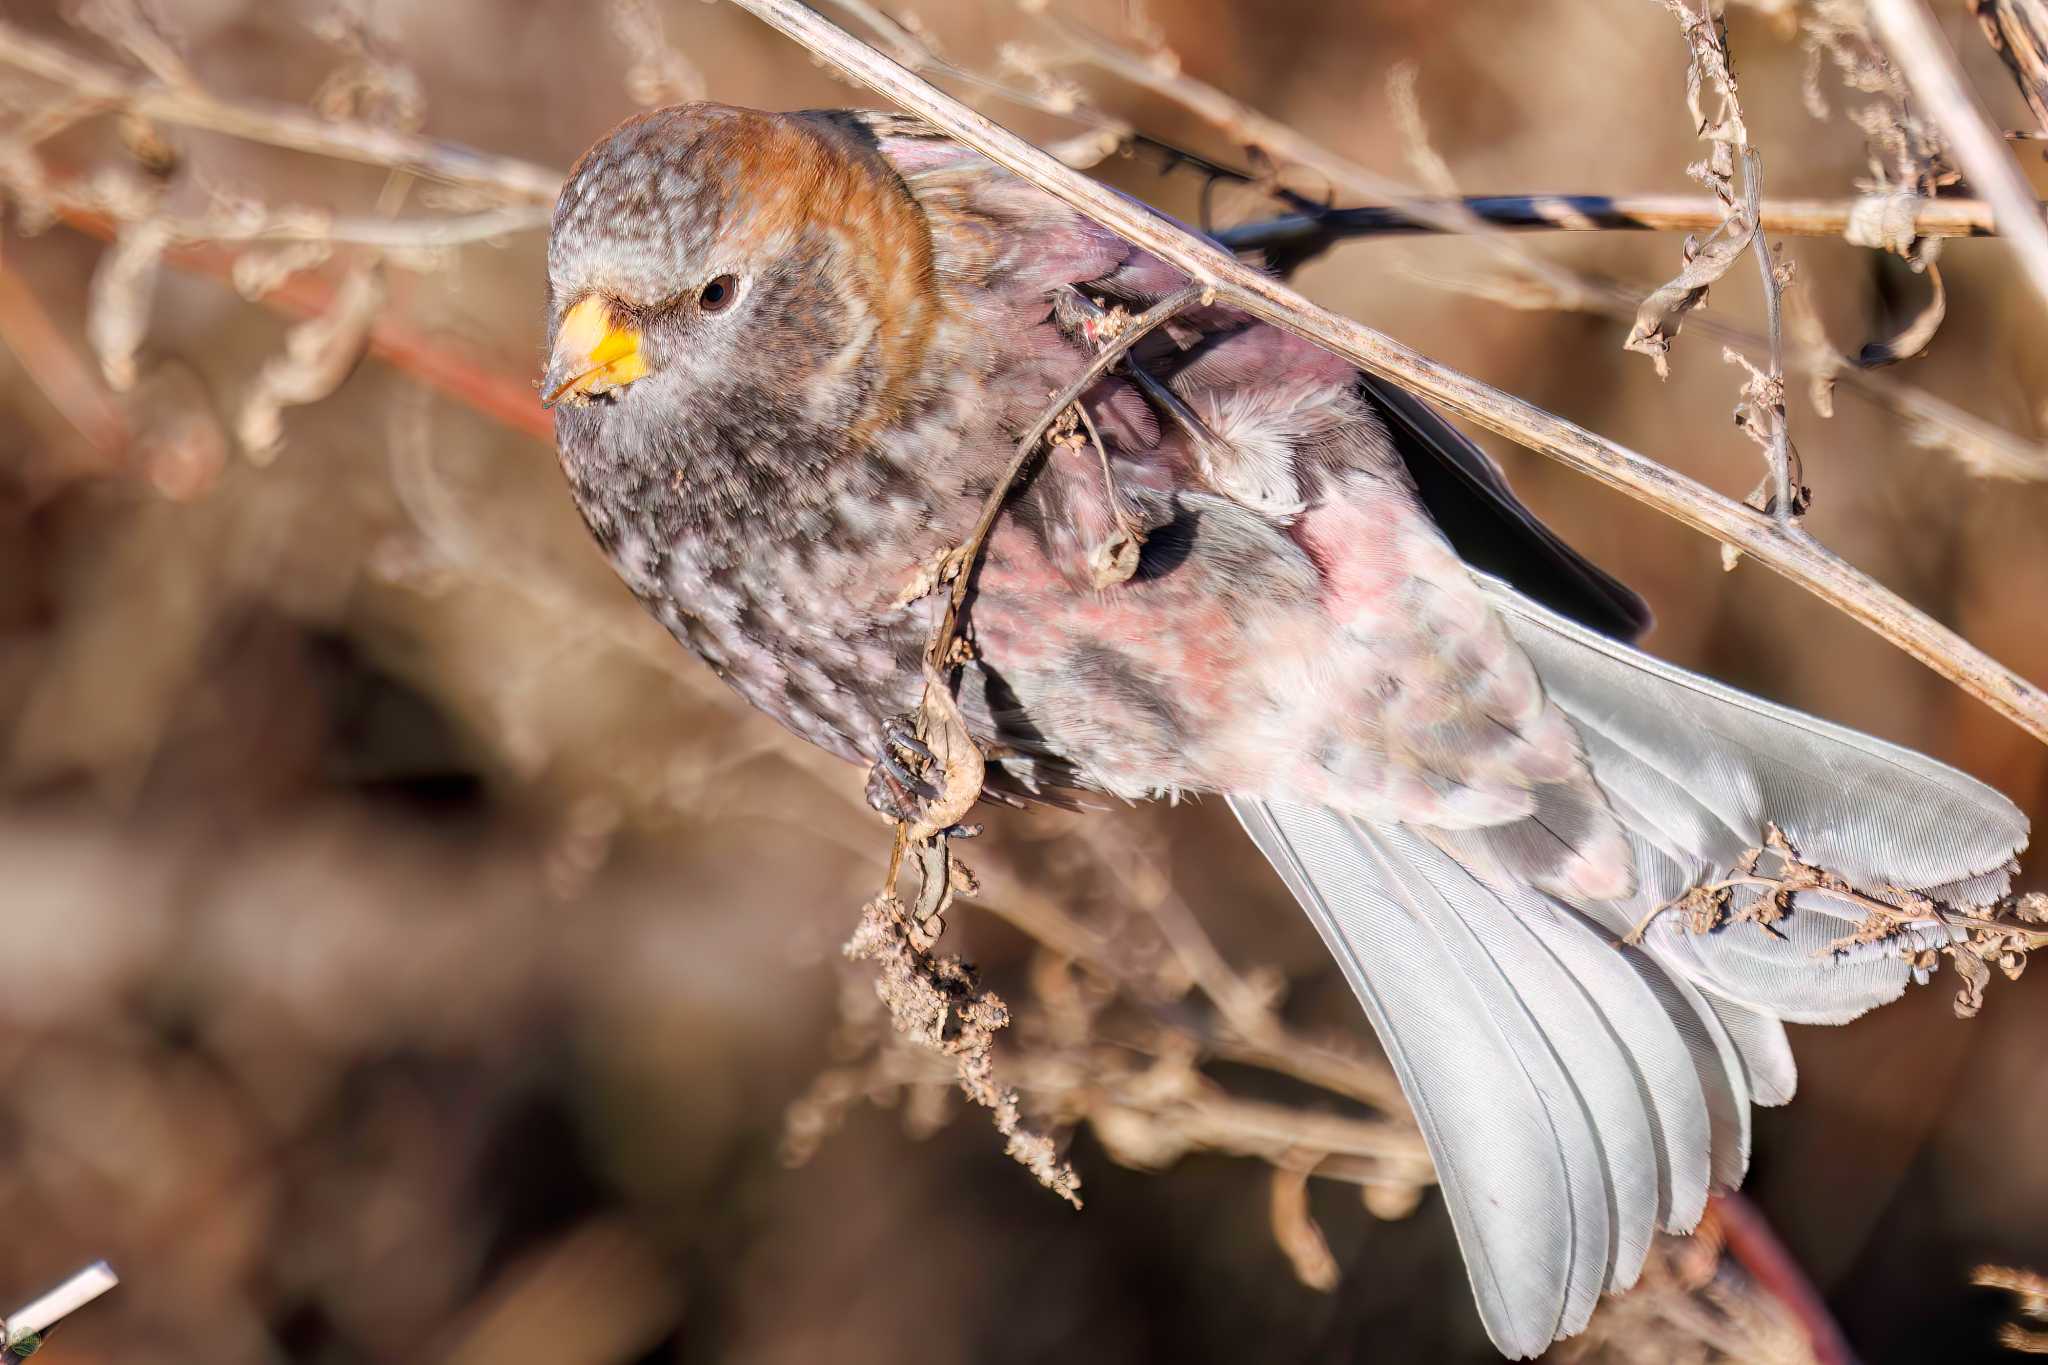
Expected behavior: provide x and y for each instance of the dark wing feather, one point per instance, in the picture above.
(1490, 527)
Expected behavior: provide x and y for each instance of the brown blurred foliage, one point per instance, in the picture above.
(410, 955)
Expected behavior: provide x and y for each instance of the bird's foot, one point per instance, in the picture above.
(907, 778)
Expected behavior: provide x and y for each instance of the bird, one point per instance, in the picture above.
(790, 355)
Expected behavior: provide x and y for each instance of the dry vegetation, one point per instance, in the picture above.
(412, 957)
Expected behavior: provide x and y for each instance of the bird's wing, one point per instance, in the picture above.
(1491, 528)
(1460, 485)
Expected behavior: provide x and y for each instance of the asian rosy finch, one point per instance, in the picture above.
(794, 352)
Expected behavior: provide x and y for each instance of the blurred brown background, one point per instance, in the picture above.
(409, 955)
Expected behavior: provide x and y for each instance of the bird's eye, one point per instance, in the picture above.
(718, 295)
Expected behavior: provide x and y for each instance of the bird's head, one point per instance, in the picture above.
(722, 280)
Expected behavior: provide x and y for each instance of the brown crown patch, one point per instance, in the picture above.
(796, 174)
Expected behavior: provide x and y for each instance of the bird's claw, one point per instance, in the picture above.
(908, 776)
(903, 777)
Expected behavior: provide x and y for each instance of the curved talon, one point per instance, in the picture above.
(898, 733)
(909, 780)
(907, 776)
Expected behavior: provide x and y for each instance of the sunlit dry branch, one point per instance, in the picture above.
(1906, 172)
(1610, 213)
(1916, 44)
(1225, 279)
(1761, 413)
(190, 106)
(2030, 1289)
(1887, 218)
(2018, 30)
(26, 1328)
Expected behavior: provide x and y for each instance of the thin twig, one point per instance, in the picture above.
(1878, 219)
(1796, 557)
(1761, 413)
(1920, 51)
(441, 363)
(1161, 73)
(915, 51)
(57, 369)
(27, 1325)
(2018, 31)
(1605, 213)
(277, 125)
(943, 637)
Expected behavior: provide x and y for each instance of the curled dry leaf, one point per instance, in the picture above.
(1296, 1231)
(318, 355)
(940, 568)
(259, 271)
(1663, 312)
(1114, 559)
(1913, 338)
(122, 295)
(1976, 975)
(1705, 260)
(1885, 220)
(944, 731)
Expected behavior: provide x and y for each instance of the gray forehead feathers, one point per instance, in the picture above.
(640, 210)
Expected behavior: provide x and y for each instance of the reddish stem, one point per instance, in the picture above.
(439, 362)
(1756, 1248)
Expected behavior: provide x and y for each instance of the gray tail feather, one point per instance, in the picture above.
(1574, 1095)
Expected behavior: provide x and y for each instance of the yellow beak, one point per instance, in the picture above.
(593, 355)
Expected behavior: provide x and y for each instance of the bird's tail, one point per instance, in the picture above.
(1577, 1094)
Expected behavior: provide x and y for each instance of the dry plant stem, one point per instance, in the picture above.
(2018, 30)
(1254, 1032)
(1795, 556)
(27, 1325)
(948, 629)
(1761, 413)
(275, 124)
(1920, 51)
(1982, 448)
(1265, 1042)
(57, 369)
(440, 363)
(1785, 499)
(1879, 910)
(916, 53)
(1605, 213)
(1160, 73)
(1756, 1248)
(1985, 450)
